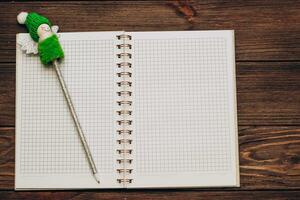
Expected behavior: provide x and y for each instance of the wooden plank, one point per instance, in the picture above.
(267, 92)
(154, 195)
(7, 95)
(265, 30)
(7, 158)
(269, 157)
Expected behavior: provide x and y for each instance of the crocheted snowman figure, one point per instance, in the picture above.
(43, 38)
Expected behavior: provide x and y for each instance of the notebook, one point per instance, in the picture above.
(158, 110)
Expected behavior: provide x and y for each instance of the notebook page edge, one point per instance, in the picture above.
(18, 106)
(235, 111)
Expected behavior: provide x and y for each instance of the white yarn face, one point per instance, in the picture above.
(44, 31)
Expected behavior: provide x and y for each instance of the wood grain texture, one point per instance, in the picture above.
(7, 95)
(267, 93)
(269, 157)
(154, 195)
(265, 30)
(267, 35)
(7, 158)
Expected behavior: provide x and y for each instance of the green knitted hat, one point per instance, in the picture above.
(33, 21)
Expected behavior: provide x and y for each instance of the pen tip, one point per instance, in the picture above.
(97, 178)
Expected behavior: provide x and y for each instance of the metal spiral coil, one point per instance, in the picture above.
(124, 101)
(125, 180)
(124, 112)
(124, 64)
(120, 74)
(120, 151)
(124, 83)
(120, 46)
(124, 171)
(128, 141)
(124, 161)
(124, 132)
(123, 93)
(123, 36)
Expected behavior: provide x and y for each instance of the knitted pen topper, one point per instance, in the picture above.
(39, 29)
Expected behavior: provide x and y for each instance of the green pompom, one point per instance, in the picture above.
(50, 50)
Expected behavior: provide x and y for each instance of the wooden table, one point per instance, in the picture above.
(268, 85)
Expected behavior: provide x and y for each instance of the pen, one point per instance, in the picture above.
(50, 51)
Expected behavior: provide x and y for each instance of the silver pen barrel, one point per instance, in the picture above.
(76, 121)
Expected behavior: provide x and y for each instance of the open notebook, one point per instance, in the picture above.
(158, 110)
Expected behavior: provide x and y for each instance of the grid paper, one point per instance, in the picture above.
(181, 105)
(49, 140)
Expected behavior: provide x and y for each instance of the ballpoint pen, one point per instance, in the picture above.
(50, 52)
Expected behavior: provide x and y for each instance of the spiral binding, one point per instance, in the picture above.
(124, 83)
(124, 64)
(120, 46)
(124, 102)
(124, 114)
(124, 132)
(120, 74)
(128, 93)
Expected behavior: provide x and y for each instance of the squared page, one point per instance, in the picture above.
(184, 109)
(49, 154)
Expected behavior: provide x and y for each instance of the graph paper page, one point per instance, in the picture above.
(184, 109)
(49, 153)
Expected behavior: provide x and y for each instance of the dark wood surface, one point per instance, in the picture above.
(268, 85)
